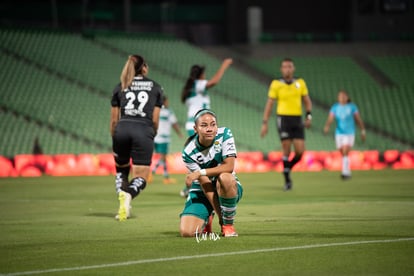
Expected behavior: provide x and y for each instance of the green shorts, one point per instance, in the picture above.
(197, 204)
(161, 148)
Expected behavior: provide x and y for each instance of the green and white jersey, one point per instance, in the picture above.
(196, 156)
(167, 119)
(198, 99)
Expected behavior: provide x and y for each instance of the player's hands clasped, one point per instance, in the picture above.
(191, 177)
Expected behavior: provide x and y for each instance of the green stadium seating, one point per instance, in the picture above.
(55, 103)
(400, 98)
(59, 86)
(18, 137)
(68, 54)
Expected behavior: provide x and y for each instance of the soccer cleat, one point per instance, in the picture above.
(288, 186)
(228, 231)
(169, 181)
(208, 228)
(345, 176)
(124, 205)
(288, 181)
(117, 217)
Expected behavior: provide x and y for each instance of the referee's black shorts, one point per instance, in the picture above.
(133, 140)
(290, 127)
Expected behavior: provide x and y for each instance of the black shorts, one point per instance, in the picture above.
(290, 127)
(133, 140)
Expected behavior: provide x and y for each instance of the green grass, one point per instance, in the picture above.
(67, 224)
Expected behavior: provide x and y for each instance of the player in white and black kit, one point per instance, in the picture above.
(136, 104)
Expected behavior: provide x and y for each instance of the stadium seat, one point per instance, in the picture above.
(407, 161)
(107, 162)
(22, 161)
(379, 166)
(50, 166)
(87, 164)
(402, 165)
(309, 157)
(244, 165)
(30, 171)
(255, 156)
(301, 166)
(262, 166)
(61, 169)
(65, 165)
(390, 156)
(102, 171)
(333, 162)
(321, 156)
(6, 167)
(410, 152)
(278, 167)
(371, 156)
(356, 159)
(315, 166)
(274, 156)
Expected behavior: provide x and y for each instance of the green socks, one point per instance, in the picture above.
(228, 209)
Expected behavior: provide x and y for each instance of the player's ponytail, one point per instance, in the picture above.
(195, 73)
(187, 89)
(189, 139)
(132, 67)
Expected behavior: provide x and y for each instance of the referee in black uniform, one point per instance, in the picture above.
(136, 104)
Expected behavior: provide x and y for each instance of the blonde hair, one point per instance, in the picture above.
(132, 67)
(128, 73)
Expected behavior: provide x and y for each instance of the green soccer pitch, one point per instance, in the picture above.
(324, 226)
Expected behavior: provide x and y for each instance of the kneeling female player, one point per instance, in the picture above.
(210, 156)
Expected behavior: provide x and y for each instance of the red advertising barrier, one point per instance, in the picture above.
(28, 165)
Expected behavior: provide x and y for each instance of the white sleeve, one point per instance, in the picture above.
(173, 118)
(229, 146)
(201, 86)
(192, 167)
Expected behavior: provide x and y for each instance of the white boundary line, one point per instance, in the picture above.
(146, 261)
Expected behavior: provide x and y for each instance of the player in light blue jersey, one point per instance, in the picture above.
(345, 114)
(210, 156)
(162, 140)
